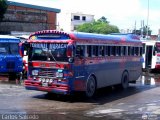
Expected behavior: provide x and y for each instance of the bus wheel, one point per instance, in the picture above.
(90, 87)
(125, 80)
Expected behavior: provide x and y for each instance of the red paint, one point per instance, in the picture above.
(158, 54)
(157, 66)
(46, 64)
(52, 86)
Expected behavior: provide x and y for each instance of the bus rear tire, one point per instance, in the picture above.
(124, 80)
(90, 87)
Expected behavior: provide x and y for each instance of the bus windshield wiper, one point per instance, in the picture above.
(50, 53)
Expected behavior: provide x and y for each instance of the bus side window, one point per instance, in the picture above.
(89, 51)
(79, 51)
(136, 51)
(132, 51)
(95, 50)
(129, 50)
(116, 51)
(123, 50)
(108, 50)
(113, 50)
(119, 50)
(101, 50)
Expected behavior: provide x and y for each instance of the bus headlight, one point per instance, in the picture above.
(59, 74)
(34, 72)
(50, 80)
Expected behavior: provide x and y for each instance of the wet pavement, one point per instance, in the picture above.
(139, 102)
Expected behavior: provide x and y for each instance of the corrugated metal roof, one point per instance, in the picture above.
(33, 6)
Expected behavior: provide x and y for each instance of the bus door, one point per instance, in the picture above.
(79, 68)
(148, 56)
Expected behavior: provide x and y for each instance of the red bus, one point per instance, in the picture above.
(65, 63)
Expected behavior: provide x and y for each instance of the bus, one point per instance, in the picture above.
(151, 54)
(11, 64)
(68, 62)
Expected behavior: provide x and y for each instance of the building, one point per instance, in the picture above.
(28, 18)
(70, 21)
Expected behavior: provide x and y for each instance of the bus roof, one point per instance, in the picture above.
(8, 38)
(115, 36)
(89, 36)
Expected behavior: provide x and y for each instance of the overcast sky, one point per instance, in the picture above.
(122, 13)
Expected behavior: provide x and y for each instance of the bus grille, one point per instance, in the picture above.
(10, 65)
(47, 73)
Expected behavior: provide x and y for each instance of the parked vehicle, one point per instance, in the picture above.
(10, 60)
(151, 54)
(65, 63)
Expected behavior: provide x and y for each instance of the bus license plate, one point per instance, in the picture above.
(44, 84)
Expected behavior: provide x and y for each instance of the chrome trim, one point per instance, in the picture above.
(80, 76)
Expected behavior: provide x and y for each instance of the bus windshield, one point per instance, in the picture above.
(40, 54)
(9, 48)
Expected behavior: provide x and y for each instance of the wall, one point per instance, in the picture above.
(27, 19)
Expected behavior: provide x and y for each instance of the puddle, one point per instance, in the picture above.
(149, 80)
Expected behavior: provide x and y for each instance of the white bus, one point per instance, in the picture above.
(151, 54)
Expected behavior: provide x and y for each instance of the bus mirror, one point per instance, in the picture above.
(71, 60)
(70, 50)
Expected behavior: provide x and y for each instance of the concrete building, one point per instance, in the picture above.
(28, 18)
(69, 21)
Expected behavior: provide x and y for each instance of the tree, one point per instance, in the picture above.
(103, 19)
(100, 26)
(3, 8)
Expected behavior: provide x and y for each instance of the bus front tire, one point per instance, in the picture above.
(90, 87)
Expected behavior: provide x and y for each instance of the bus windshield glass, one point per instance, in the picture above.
(9, 48)
(45, 53)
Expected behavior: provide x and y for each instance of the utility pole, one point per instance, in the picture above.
(147, 20)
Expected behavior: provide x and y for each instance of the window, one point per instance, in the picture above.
(118, 50)
(129, 51)
(106, 50)
(89, 51)
(79, 50)
(84, 18)
(123, 53)
(132, 50)
(95, 50)
(113, 50)
(137, 51)
(76, 17)
(101, 50)
(109, 50)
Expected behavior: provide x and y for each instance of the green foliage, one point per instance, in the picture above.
(103, 19)
(3, 8)
(100, 26)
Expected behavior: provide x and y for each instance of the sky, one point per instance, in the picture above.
(125, 14)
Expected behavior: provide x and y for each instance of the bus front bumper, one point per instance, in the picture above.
(54, 88)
